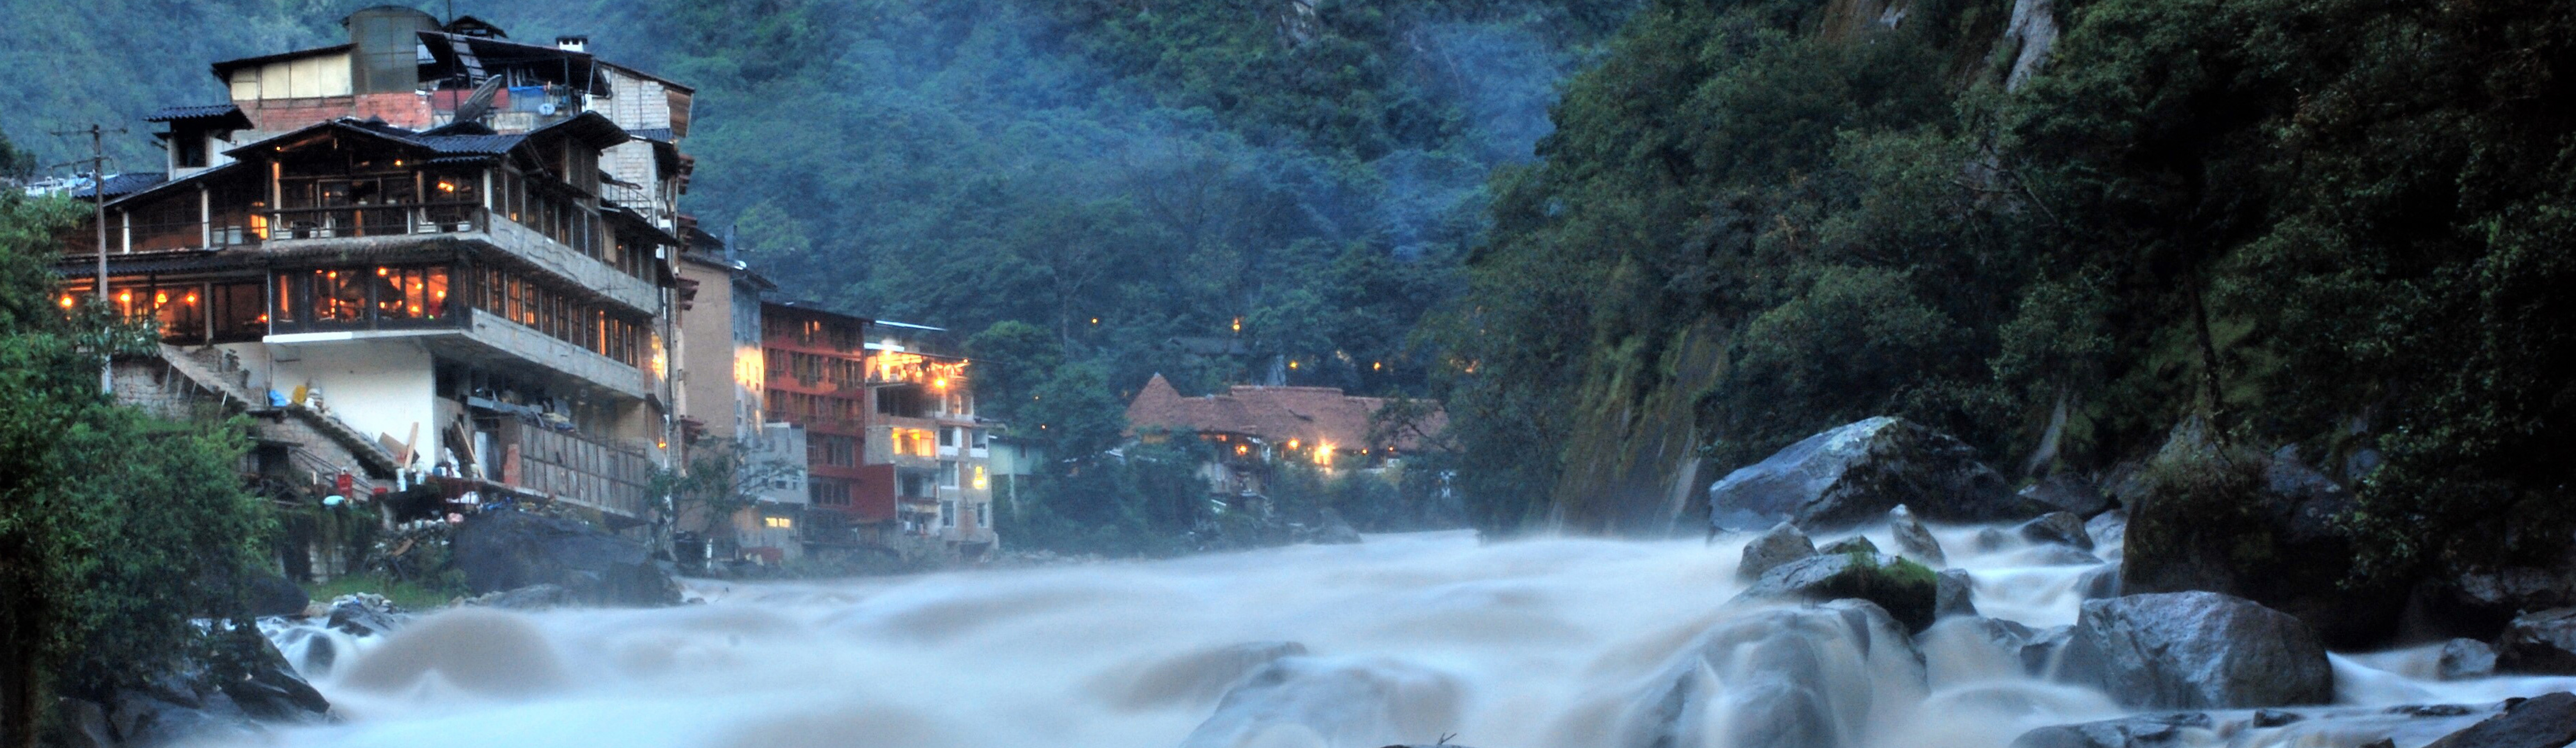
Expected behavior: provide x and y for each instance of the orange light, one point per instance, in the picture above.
(67, 302)
(263, 319)
(440, 295)
(1292, 444)
(192, 298)
(1238, 324)
(397, 162)
(1292, 364)
(125, 297)
(1243, 449)
(1324, 454)
(415, 310)
(941, 383)
(1095, 320)
(380, 272)
(447, 186)
(160, 298)
(1377, 366)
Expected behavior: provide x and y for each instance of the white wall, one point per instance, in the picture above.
(374, 386)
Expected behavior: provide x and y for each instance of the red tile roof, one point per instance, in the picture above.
(1275, 414)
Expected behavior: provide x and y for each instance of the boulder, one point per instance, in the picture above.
(2466, 658)
(1853, 544)
(2108, 529)
(504, 550)
(1853, 473)
(2547, 721)
(2068, 493)
(2261, 527)
(2053, 554)
(1331, 529)
(1781, 544)
(1343, 702)
(363, 615)
(1913, 540)
(190, 703)
(1814, 677)
(2543, 642)
(1953, 594)
(2126, 732)
(2196, 650)
(1905, 590)
(273, 594)
(2099, 583)
(1990, 540)
(2062, 528)
(2476, 600)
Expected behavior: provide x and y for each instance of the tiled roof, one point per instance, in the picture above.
(171, 113)
(1275, 414)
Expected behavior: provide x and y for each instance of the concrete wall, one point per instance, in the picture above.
(376, 386)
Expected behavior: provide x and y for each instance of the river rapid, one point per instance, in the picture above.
(1538, 643)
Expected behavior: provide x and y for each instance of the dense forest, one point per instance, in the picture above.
(1623, 239)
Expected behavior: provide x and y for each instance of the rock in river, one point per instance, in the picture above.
(2062, 528)
(1906, 590)
(1813, 677)
(1782, 544)
(2543, 642)
(2547, 721)
(1851, 474)
(507, 550)
(2196, 650)
(1913, 540)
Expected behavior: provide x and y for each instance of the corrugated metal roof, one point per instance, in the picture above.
(170, 113)
(655, 134)
(468, 143)
(123, 184)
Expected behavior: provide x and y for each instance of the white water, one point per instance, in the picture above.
(1543, 643)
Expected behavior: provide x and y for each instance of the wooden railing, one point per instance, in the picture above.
(377, 220)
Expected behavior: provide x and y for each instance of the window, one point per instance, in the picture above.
(947, 474)
(983, 514)
(976, 439)
(948, 513)
(828, 492)
(912, 442)
(981, 482)
(779, 523)
(947, 436)
(191, 149)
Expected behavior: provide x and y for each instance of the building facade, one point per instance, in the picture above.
(435, 265)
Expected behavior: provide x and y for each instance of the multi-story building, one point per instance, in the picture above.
(723, 383)
(892, 440)
(815, 363)
(928, 453)
(430, 256)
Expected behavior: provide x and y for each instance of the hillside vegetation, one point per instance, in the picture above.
(2340, 225)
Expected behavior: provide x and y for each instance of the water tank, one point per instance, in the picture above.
(386, 42)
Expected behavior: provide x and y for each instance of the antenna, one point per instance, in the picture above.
(98, 192)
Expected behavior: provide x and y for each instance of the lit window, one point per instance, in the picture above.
(779, 523)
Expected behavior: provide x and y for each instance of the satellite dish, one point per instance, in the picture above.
(547, 108)
(479, 103)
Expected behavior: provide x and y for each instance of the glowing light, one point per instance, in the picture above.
(160, 298)
(981, 483)
(415, 309)
(781, 523)
(941, 383)
(1095, 320)
(1377, 366)
(447, 186)
(1243, 449)
(125, 297)
(67, 301)
(1324, 454)
(192, 298)
(1238, 324)
(259, 225)
(397, 162)
(1292, 364)
(1292, 444)
(380, 272)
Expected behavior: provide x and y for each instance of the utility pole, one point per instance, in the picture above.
(98, 195)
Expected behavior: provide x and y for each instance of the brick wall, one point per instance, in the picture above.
(400, 108)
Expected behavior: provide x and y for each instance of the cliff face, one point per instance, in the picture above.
(1643, 439)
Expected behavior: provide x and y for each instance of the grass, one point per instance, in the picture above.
(408, 595)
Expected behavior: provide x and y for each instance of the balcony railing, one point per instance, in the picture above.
(378, 220)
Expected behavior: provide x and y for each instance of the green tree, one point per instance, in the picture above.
(106, 551)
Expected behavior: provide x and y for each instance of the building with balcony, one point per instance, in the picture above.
(892, 439)
(450, 257)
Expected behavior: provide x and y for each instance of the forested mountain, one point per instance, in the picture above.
(2055, 229)
(1116, 173)
(2340, 228)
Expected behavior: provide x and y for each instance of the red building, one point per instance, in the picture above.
(817, 379)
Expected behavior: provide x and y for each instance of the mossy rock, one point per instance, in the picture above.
(1909, 591)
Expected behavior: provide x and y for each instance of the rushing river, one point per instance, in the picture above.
(1546, 643)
